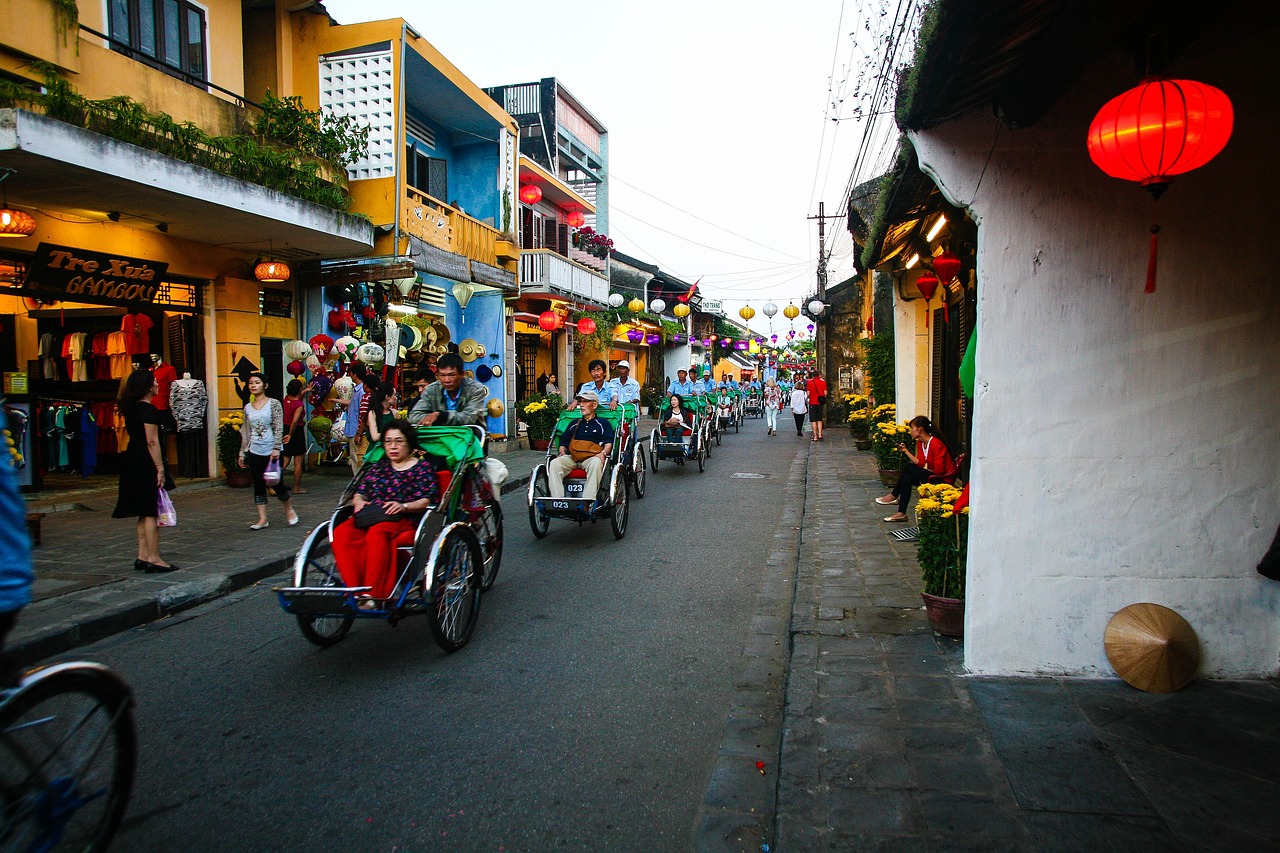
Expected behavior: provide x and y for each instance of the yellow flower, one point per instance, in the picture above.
(948, 514)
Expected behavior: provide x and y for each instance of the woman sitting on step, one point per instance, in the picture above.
(931, 461)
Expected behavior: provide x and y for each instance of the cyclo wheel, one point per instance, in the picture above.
(487, 527)
(320, 569)
(620, 515)
(454, 587)
(653, 451)
(538, 519)
(67, 760)
(701, 457)
(638, 472)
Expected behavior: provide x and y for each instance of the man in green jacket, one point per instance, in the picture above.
(452, 400)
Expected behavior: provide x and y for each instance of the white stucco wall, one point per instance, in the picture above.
(1126, 445)
(912, 358)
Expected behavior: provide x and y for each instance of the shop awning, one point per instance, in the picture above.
(66, 168)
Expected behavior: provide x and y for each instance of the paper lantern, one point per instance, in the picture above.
(657, 306)
(371, 354)
(616, 299)
(548, 321)
(620, 330)
(653, 340)
(296, 368)
(773, 339)
(321, 345)
(586, 326)
(636, 305)
(530, 194)
(1157, 130)
(320, 388)
(343, 389)
(927, 284)
(681, 310)
(635, 336)
(810, 327)
(297, 350)
(346, 347)
(16, 223)
(575, 219)
(746, 312)
(817, 306)
(271, 272)
(947, 266)
(312, 363)
(770, 309)
(791, 312)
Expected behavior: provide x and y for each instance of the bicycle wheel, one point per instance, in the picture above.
(538, 518)
(319, 569)
(621, 512)
(68, 754)
(455, 587)
(639, 472)
(487, 526)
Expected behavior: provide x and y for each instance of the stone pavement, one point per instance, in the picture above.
(872, 738)
(86, 587)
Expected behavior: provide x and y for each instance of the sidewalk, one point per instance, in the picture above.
(882, 742)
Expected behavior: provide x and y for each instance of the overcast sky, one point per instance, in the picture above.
(720, 137)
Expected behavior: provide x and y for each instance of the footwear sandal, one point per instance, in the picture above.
(884, 502)
(261, 526)
(892, 520)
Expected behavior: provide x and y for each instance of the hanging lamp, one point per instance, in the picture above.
(14, 224)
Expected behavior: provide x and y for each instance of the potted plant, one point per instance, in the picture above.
(540, 414)
(229, 450)
(942, 551)
(858, 417)
(885, 438)
(651, 396)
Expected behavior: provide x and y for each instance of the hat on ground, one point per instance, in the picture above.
(624, 363)
(588, 395)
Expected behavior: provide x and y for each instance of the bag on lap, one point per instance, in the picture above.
(582, 450)
(371, 514)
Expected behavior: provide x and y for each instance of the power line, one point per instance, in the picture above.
(616, 209)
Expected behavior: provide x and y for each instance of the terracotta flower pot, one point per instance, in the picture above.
(946, 615)
(889, 476)
(862, 444)
(238, 478)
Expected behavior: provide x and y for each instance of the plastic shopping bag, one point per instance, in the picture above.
(166, 515)
(495, 471)
(271, 476)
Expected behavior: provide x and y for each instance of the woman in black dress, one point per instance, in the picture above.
(143, 471)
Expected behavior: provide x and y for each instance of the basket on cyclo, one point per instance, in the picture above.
(694, 442)
(623, 471)
(442, 565)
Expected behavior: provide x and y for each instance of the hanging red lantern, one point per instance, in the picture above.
(928, 285)
(1157, 130)
(586, 326)
(947, 266)
(575, 219)
(549, 321)
(530, 194)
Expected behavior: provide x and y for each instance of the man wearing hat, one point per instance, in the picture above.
(682, 385)
(625, 389)
(584, 444)
(452, 400)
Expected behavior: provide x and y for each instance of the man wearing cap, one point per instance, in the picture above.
(452, 400)
(682, 385)
(605, 391)
(625, 389)
(584, 444)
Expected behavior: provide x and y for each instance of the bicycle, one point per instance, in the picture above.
(68, 757)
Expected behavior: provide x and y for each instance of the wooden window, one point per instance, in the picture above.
(168, 34)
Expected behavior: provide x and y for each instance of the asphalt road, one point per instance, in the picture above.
(584, 715)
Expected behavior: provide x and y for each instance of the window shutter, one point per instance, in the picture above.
(939, 367)
(438, 179)
(526, 227)
(549, 238)
(562, 239)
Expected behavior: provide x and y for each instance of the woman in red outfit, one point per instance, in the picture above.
(931, 459)
(403, 486)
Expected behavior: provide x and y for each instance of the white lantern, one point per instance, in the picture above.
(312, 363)
(817, 306)
(343, 388)
(371, 354)
(346, 347)
(404, 285)
(770, 309)
(297, 350)
(616, 299)
(657, 306)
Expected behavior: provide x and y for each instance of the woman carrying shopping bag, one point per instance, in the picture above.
(261, 441)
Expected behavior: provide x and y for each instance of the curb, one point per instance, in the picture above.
(167, 602)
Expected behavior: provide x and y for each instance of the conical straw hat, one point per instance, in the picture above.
(1152, 648)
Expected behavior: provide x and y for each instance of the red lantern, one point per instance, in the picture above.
(1157, 130)
(586, 326)
(575, 219)
(549, 321)
(947, 266)
(530, 194)
(928, 285)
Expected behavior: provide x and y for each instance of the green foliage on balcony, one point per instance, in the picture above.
(314, 173)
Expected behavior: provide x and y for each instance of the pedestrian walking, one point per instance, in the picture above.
(799, 406)
(351, 420)
(295, 430)
(772, 404)
(261, 441)
(144, 471)
(816, 388)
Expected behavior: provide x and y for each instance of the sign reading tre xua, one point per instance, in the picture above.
(79, 273)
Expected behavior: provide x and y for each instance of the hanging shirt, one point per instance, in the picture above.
(137, 333)
(188, 400)
(48, 356)
(118, 352)
(165, 377)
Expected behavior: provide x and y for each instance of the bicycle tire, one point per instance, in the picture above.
(41, 716)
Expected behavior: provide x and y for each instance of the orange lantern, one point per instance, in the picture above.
(16, 223)
(271, 272)
(549, 321)
(1157, 130)
(530, 194)
(575, 219)
(586, 326)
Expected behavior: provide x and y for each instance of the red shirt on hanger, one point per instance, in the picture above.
(137, 333)
(165, 375)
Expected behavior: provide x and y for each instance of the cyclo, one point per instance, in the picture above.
(612, 497)
(727, 411)
(695, 442)
(452, 556)
(752, 404)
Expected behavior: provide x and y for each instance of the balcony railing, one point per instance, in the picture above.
(545, 268)
(440, 225)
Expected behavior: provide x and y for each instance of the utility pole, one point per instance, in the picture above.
(819, 336)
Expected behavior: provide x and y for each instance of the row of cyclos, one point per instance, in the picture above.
(711, 417)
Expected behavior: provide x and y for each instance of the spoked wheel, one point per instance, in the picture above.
(639, 472)
(701, 457)
(621, 512)
(538, 519)
(487, 527)
(718, 437)
(653, 451)
(455, 588)
(321, 570)
(69, 758)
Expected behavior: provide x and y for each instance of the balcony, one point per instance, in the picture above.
(456, 246)
(542, 270)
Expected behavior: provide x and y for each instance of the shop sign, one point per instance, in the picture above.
(78, 275)
(277, 303)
